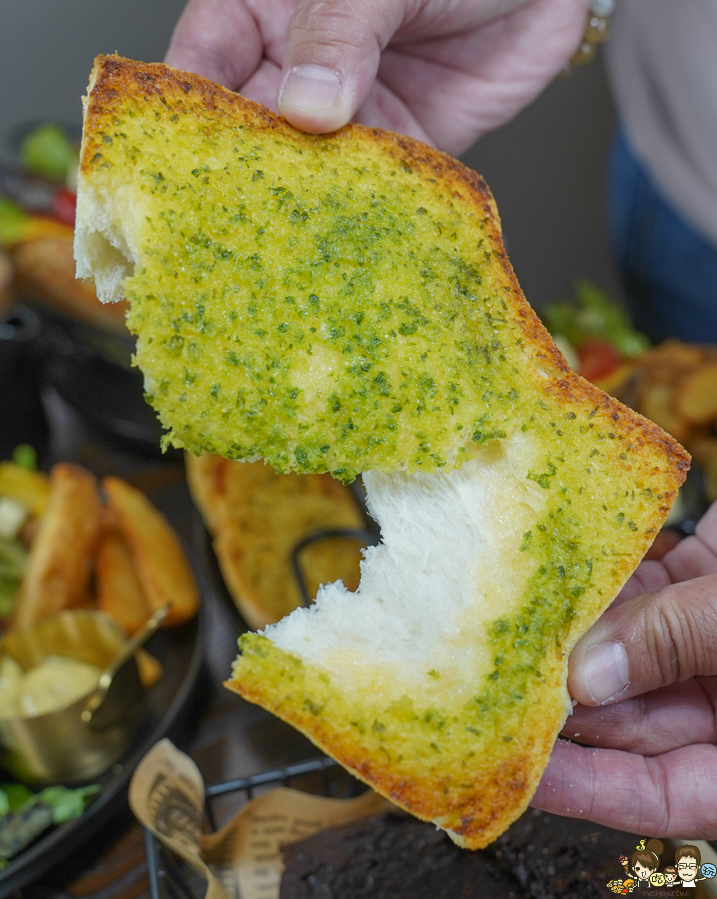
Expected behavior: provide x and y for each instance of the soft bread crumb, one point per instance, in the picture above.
(103, 242)
(449, 564)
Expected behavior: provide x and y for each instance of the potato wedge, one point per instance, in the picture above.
(58, 568)
(670, 360)
(159, 560)
(703, 447)
(696, 395)
(119, 592)
(656, 402)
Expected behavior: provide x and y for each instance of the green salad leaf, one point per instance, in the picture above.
(25, 815)
(16, 795)
(594, 315)
(13, 560)
(13, 221)
(25, 456)
(66, 803)
(47, 151)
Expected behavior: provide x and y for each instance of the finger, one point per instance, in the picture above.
(648, 578)
(706, 528)
(657, 722)
(263, 84)
(331, 59)
(695, 556)
(646, 643)
(383, 107)
(476, 80)
(216, 39)
(671, 795)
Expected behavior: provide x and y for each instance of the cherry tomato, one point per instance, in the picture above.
(63, 206)
(598, 359)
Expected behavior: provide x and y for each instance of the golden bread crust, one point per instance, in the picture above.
(116, 80)
(474, 805)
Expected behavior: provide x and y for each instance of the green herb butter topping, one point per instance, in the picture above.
(323, 310)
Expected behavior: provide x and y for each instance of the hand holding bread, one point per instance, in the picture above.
(442, 72)
(645, 677)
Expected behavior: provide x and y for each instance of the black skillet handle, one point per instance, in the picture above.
(22, 415)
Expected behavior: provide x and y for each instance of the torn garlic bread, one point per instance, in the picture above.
(344, 303)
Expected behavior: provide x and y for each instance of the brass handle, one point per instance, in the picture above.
(98, 697)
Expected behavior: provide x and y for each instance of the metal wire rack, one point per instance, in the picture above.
(170, 878)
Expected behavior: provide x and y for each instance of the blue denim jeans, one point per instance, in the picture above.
(669, 271)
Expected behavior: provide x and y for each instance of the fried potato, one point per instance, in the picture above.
(58, 568)
(86, 600)
(670, 360)
(656, 403)
(119, 592)
(675, 385)
(696, 395)
(258, 516)
(162, 568)
(703, 447)
(31, 488)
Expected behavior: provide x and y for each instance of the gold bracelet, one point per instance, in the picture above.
(597, 28)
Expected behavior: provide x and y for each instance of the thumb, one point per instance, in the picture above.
(333, 49)
(647, 642)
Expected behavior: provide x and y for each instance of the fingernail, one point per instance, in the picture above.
(605, 671)
(310, 88)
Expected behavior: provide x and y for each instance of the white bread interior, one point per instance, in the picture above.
(103, 243)
(104, 250)
(449, 564)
